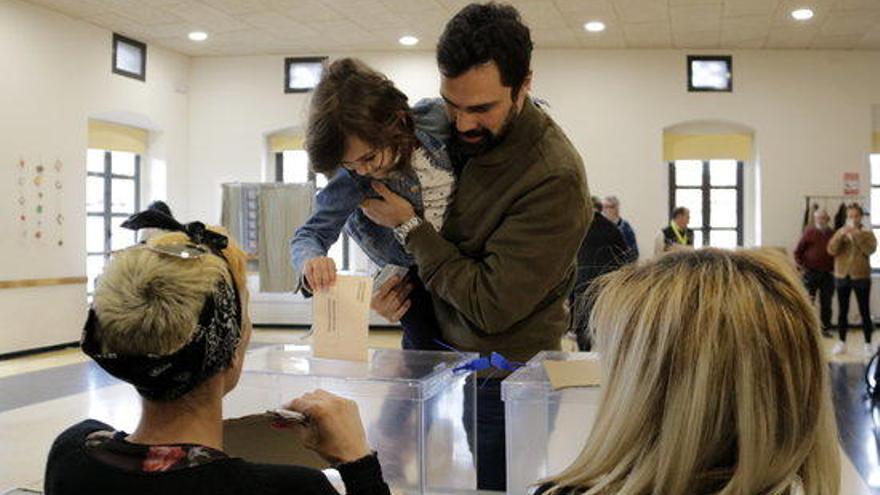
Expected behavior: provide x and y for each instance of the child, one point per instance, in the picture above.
(360, 130)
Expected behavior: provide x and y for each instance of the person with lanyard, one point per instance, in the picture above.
(170, 317)
(677, 236)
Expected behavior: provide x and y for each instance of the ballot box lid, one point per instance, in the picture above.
(404, 374)
(530, 382)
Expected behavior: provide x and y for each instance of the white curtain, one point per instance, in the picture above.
(263, 218)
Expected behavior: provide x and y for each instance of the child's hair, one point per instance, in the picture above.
(715, 381)
(149, 303)
(354, 100)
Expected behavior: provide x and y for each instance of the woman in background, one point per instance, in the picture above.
(714, 382)
(852, 247)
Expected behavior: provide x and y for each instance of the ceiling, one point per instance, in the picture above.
(250, 27)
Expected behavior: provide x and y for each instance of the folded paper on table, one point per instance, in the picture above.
(579, 373)
(341, 319)
(254, 439)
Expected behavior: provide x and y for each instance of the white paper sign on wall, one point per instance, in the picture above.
(852, 184)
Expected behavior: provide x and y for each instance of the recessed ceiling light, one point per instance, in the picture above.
(198, 36)
(408, 40)
(595, 26)
(802, 14)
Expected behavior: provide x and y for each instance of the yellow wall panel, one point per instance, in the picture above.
(707, 147)
(116, 137)
(282, 142)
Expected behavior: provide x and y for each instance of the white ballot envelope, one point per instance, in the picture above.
(341, 319)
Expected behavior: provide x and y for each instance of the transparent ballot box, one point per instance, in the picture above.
(412, 404)
(546, 429)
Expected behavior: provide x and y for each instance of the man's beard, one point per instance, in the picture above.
(488, 142)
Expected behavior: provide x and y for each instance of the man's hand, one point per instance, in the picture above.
(390, 211)
(391, 301)
(320, 273)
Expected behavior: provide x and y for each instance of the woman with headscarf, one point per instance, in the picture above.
(170, 317)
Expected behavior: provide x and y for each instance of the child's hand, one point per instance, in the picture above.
(320, 273)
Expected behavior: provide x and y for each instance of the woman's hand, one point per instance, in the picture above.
(334, 429)
(320, 273)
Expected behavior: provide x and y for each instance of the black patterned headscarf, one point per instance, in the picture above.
(211, 347)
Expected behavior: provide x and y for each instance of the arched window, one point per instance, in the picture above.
(292, 166)
(706, 163)
(113, 184)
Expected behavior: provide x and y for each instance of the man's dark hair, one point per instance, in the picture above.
(482, 33)
(681, 210)
(597, 203)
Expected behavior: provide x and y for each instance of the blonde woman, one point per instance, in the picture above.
(170, 317)
(714, 384)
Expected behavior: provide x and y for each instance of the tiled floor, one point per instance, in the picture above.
(43, 394)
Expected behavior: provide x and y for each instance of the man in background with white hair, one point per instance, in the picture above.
(817, 265)
(611, 211)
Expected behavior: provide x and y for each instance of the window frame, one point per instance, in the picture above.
(709, 58)
(874, 183)
(288, 61)
(706, 188)
(118, 38)
(312, 177)
(108, 215)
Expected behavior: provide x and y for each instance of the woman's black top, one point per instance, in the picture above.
(90, 457)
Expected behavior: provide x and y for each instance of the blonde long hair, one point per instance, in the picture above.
(715, 382)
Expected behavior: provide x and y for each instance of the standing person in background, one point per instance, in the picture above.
(677, 235)
(603, 251)
(611, 211)
(852, 247)
(817, 265)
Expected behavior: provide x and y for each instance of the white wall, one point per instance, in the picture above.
(55, 75)
(811, 112)
(236, 101)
